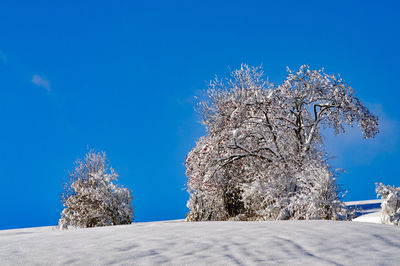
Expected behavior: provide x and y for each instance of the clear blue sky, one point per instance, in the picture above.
(121, 76)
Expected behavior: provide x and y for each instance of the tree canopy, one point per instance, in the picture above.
(263, 156)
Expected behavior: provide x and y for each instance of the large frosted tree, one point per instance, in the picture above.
(263, 155)
(91, 198)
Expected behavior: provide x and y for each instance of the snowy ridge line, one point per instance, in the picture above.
(363, 202)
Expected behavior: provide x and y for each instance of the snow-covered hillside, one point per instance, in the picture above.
(368, 211)
(206, 243)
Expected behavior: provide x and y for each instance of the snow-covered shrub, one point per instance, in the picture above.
(263, 156)
(390, 203)
(91, 198)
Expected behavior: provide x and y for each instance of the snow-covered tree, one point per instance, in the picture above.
(390, 203)
(263, 156)
(91, 198)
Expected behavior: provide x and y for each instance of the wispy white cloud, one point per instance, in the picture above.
(41, 82)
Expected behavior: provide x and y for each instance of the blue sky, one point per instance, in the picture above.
(121, 76)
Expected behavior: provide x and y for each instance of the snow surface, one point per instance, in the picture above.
(369, 211)
(373, 217)
(206, 243)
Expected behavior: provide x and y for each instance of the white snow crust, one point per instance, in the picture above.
(292, 242)
(363, 202)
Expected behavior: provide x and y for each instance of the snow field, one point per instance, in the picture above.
(292, 242)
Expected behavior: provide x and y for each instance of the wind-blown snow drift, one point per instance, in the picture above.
(206, 243)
